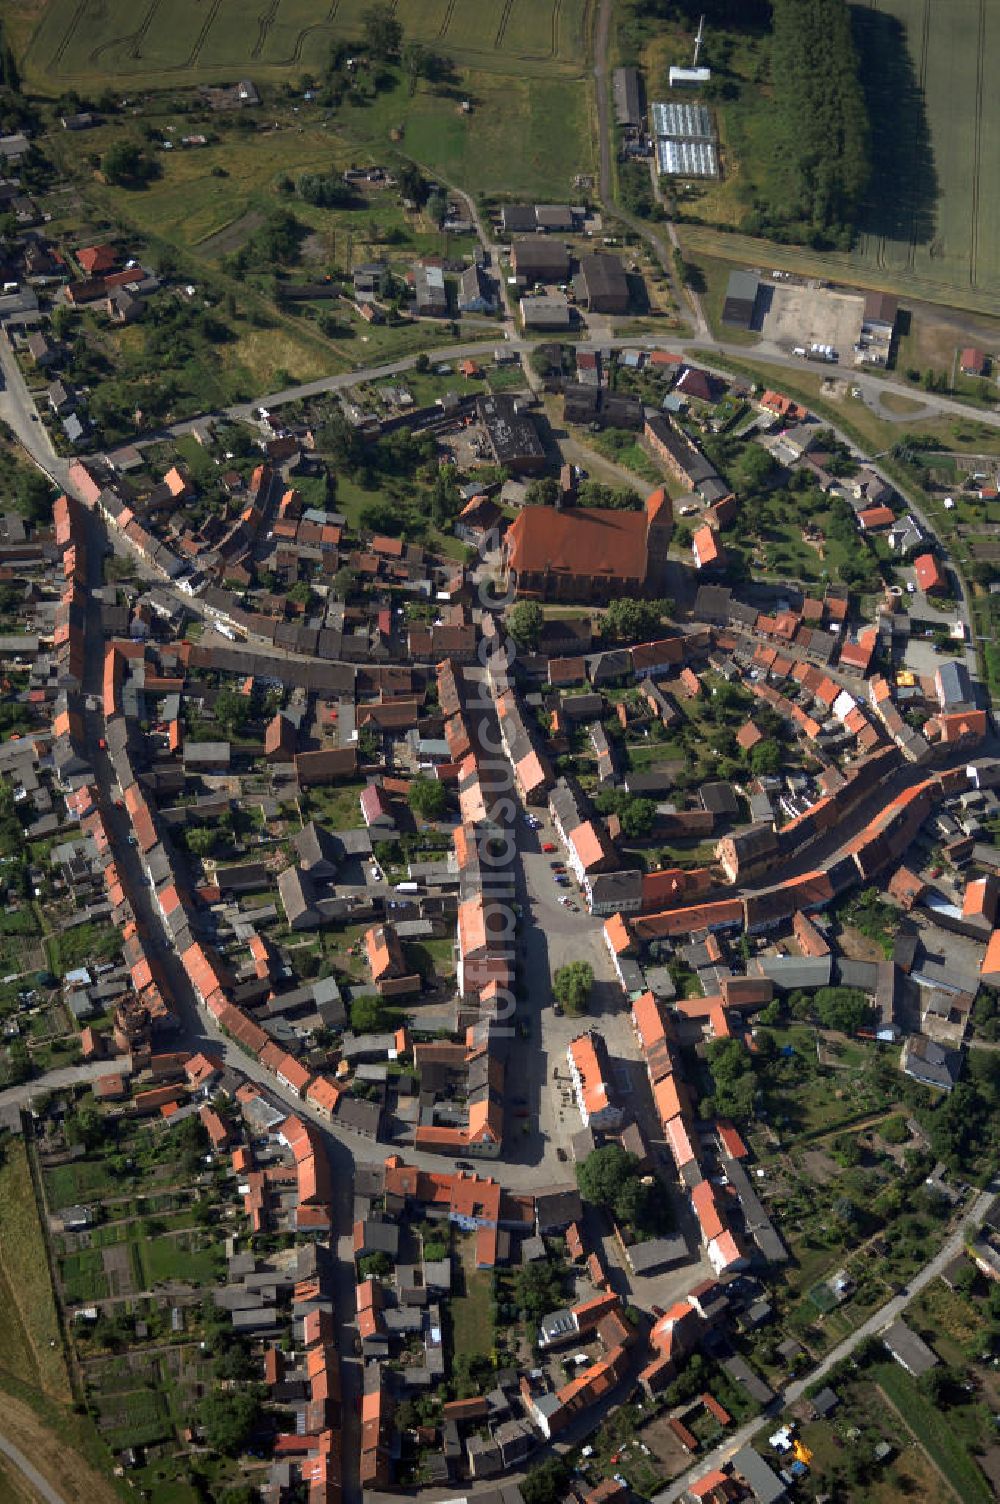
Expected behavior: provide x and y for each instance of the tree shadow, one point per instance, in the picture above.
(902, 198)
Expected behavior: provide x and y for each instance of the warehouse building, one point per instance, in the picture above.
(740, 307)
(602, 284)
(628, 98)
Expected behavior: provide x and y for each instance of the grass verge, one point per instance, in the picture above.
(934, 1433)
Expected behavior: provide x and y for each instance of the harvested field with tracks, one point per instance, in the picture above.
(931, 224)
(162, 42)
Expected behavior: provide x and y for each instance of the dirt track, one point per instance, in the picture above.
(74, 1480)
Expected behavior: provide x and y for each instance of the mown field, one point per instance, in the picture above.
(930, 223)
(932, 214)
(31, 1351)
(162, 42)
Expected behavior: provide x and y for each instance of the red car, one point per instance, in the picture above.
(547, 846)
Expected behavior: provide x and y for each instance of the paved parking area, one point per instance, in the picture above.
(806, 315)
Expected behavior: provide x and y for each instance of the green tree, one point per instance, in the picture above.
(542, 492)
(538, 1288)
(383, 34)
(636, 813)
(819, 125)
(232, 710)
(766, 757)
(367, 1015)
(126, 165)
(601, 1175)
(345, 582)
(733, 1081)
(412, 186)
(243, 1493)
(628, 620)
(547, 1482)
(302, 593)
(525, 621)
(843, 1008)
(201, 840)
(642, 1207)
(374, 1265)
(445, 499)
(428, 797)
(572, 986)
(229, 1419)
(436, 209)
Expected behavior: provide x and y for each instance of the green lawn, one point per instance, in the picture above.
(472, 1316)
(625, 449)
(934, 1431)
(67, 1185)
(162, 1259)
(335, 805)
(134, 1419)
(83, 1276)
(84, 945)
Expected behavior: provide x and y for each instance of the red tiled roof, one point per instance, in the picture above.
(589, 542)
(928, 574)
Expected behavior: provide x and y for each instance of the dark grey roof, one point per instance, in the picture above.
(908, 1349)
(603, 276)
(656, 1253)
(763, 1481)
(790, 972)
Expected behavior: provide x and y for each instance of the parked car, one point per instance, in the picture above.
(547, 846)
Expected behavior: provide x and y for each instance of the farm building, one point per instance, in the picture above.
(741, 299)
(551, 312)
(628, 98)
(687, 159)
(689, 78)
(881, 312)
(602, 284)
(540, 260)
(555, 219)
(518, 219)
